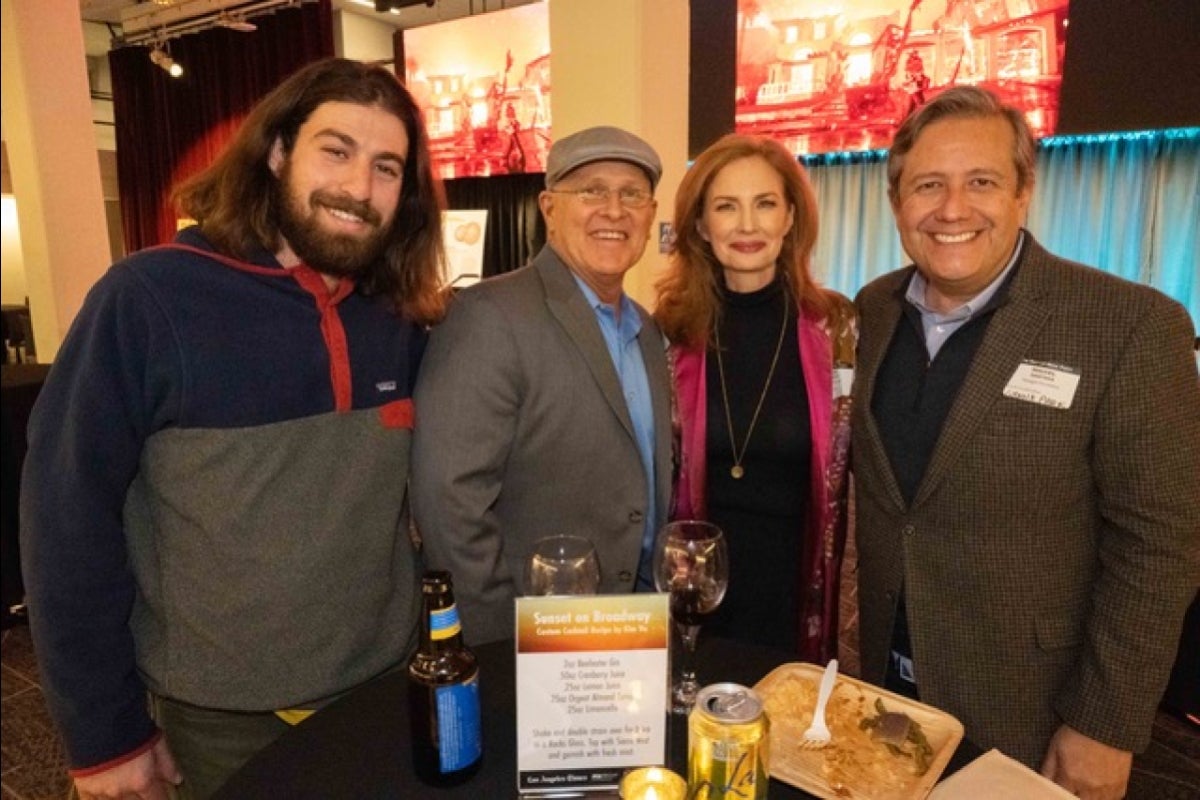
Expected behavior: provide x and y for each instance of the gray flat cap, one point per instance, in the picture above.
(604, 143)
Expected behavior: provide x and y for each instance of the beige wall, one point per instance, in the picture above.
(54, 168)
(12, 264)
(625, 63)
(362, 38)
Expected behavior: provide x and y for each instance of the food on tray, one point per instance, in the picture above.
(900, 734)
(888, 727)
(856, 763)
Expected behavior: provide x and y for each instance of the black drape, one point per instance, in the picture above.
(515, 229)
(169, 128)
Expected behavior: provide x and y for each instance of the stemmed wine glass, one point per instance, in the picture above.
(562, 565)
(691, 561)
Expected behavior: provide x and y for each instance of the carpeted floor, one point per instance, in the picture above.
(31, 754)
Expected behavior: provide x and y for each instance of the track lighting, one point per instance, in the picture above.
(161, 58)
(235, 22)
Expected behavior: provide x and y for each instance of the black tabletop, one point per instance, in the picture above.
(358, 747)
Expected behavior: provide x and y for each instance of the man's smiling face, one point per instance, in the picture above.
(598, 242)
(339, 187)
(958, 207)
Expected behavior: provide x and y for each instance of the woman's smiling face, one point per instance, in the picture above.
(746, 215)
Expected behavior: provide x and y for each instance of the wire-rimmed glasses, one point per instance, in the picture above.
(627, 196)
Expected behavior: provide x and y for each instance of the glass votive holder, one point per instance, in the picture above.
(653, 783)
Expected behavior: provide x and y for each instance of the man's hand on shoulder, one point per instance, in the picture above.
(1088, 768)
(145, 777)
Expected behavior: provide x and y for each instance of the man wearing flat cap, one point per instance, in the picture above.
(543, 403)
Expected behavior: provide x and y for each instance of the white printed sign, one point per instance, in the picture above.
(592, 689)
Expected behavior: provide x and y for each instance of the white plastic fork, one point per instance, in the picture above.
(818, 734)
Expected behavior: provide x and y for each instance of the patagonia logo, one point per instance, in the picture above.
(386, 386)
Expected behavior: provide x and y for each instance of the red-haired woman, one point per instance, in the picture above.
(763, 359)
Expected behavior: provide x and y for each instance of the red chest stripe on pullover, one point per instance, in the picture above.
(332, 330)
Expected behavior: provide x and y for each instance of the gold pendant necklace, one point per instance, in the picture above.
(737, 470)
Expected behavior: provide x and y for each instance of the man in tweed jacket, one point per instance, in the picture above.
(1027, 464)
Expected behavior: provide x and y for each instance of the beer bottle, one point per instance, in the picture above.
(443, 690)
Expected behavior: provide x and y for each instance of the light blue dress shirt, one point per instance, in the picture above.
(939, 327)
(621, 337)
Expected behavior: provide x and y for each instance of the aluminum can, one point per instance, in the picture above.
(728, 745)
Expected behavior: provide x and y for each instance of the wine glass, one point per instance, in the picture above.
(562, 565)
(691, 561)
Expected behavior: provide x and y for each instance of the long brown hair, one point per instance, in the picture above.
(233, 202)
(689, 297)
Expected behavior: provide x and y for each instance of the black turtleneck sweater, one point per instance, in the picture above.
(762, 513)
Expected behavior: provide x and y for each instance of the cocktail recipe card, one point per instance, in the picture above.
(593, 688)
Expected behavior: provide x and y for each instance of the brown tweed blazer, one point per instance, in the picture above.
(1049, 554)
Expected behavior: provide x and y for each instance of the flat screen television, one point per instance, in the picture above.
(483, 84)
(840, 75)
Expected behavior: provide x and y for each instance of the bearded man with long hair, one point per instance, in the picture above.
(215, 534)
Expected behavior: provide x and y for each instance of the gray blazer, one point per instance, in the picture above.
(522, 431)
(1048, 555)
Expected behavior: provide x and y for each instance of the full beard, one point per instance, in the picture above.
(336, 254)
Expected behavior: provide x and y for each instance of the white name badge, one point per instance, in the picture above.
(843, 382)
(1043, 383)
(592, 689)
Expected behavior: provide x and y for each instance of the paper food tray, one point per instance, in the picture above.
(805, 769)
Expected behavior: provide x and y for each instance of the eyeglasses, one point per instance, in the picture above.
(599, 196)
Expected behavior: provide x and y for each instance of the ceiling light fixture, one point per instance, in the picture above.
(144, 24)
(161, 58)
(235, 22)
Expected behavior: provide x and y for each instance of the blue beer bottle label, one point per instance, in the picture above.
(460, 741)
(443, 623)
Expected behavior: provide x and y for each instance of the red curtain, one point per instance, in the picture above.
(169, 128)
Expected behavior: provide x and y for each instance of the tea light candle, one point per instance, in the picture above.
(653, 783)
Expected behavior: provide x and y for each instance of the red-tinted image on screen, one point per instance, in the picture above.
(833, 75)
(483, 84)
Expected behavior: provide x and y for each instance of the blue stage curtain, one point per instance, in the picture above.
(1125, 203)
(857, 240)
